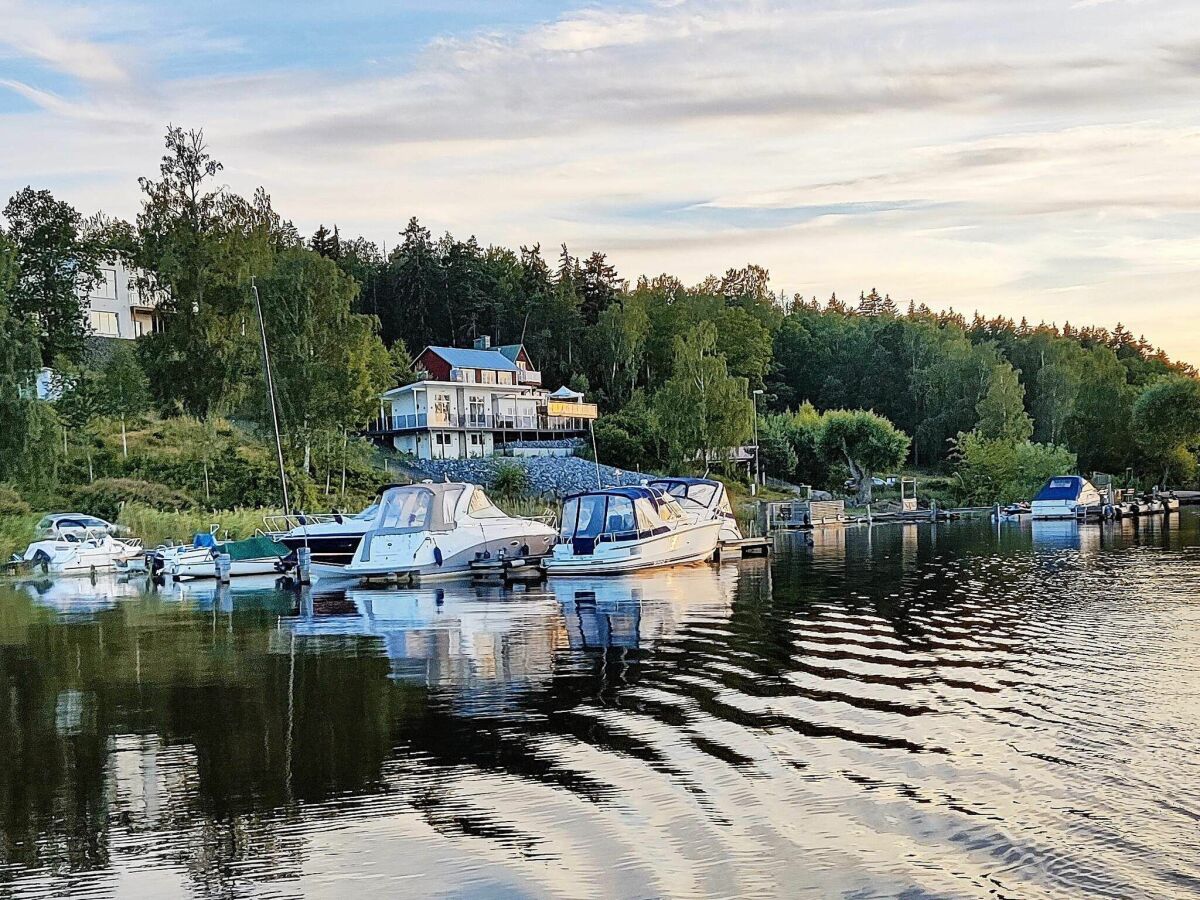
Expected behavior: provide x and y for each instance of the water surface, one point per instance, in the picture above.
(933, 711)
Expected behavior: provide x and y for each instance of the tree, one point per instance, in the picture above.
(778, 455)
(56, 267)
(328, 363)
(1166, 424)
(702, 409)
(1004, 471)
(200, 246)
(125, 390)
(1001, 411)
(868, 443)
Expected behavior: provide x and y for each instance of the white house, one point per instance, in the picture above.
(472, 400)
(117, 308)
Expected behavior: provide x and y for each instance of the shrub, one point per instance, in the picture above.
(1004, 471)
(510, 480)
(11, 503)
(106, 496)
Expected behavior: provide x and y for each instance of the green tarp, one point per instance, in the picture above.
(259, 547)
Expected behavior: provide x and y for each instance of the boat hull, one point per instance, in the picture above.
(692, 543)
(428, 556)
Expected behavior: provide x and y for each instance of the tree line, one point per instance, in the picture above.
(680, 371)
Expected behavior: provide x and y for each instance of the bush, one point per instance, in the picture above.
(106, 496)
(11, 503)
(1003, 471)
(510, 480)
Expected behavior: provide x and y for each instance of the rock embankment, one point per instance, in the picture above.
(547, 475)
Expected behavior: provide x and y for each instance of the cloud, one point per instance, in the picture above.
(970, 154)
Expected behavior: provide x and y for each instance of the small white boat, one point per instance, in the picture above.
(1067, 497)
(430, 531)
(258, 555)
(702, 498)
(75, 551)
(628, 529)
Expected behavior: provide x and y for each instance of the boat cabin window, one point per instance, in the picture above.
(405, 509)
(369, 513)
(481, 507)
(620, 519)
(591, 516)
(608, 517)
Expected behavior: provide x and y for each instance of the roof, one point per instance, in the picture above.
(686, 480)
(1062, 487)
(565, 393)
(511, 351)
(463, 358)
(633, 492)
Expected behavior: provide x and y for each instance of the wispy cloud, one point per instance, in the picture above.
(984, 154)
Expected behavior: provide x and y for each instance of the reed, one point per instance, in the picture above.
(156, 527)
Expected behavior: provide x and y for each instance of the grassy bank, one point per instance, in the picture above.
(156, 527)
(15, 534)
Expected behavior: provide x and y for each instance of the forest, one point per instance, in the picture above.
(681, 371)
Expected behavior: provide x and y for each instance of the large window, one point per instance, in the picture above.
(475, 411)
(441, 409)
(104, 323)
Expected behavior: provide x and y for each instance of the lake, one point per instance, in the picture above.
(935, 711)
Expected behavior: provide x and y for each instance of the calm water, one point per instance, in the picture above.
(948, 711)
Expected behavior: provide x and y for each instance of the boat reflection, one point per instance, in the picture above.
(82, 597)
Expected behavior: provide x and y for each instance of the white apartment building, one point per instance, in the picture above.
(472, 400)
(117, 308)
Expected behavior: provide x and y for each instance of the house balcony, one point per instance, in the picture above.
(529, 376)
(400, 423)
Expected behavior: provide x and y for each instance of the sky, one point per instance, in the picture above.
(1036, 158)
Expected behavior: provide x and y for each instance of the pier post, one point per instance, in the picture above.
(223, 564)
(304, 565)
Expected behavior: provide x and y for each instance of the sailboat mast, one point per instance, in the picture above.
(262, 328)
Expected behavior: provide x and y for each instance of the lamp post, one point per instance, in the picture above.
(757, 465)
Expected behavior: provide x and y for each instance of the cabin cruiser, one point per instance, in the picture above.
(1067, 497)
(702, 498)
(258, 555)
(437, 531)
(55, 525)
(626, 529)
(72, 548)
(332, 539)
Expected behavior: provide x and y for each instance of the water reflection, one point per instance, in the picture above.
(946, 710)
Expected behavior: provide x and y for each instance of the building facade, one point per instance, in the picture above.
(117, 308)
(472, 401)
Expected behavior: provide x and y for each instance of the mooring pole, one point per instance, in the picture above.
(262, 327)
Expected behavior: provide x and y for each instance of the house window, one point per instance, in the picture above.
(106, 287)
(504, 377)
(104, 323)
(475, 411)
(489, 377)
(441, 409)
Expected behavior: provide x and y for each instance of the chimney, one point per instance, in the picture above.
(484, 342)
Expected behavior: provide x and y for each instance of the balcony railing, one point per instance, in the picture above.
(529, 376)
(480, 421)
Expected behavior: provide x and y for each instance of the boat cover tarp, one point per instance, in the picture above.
(1066, 487)
(260, 547)
(205, 539)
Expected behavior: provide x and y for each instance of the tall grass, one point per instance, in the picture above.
(156, 527)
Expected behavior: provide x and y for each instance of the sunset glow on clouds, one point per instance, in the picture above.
(1026, 158)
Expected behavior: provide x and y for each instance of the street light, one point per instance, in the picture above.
(757, 464)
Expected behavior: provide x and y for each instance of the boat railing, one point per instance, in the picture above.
(280, 523)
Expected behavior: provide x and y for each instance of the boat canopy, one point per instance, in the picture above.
(618, 514)
(1063, 487)
(706, 492)
(431, 507)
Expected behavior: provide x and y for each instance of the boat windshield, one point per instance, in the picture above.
(481, 507)
(406, 508)
(606, 516)
(369, 513)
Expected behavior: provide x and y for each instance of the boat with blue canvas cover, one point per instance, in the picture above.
(1067, 497)
(627, 529)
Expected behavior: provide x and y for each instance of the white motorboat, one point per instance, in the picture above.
(627, 529)
(703, 498)
(258, 555)
(332, 539)
(1067, 497)
(80, 551)
(437, 531)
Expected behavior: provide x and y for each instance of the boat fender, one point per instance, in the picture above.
(437, 554)
(439, 596)
(302, 519)
(337, 517)
(524, 549)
